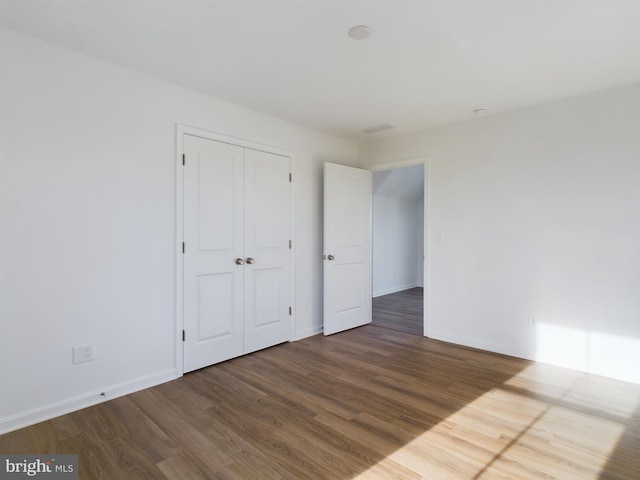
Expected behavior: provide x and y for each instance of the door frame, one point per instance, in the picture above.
(182, 130)
(412, 162)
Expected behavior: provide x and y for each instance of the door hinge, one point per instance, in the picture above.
(289, 311)
(289, 244)
(184, 248)
(184, 159)
(290, 178)
(184, 336)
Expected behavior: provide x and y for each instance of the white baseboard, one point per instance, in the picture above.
(629, 375)
(479, 344)
(309, 332)
(47, 412)
(379, 293)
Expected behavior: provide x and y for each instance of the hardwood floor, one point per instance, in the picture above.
(400, 311)
(370, 403)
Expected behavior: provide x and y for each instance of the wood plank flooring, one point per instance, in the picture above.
(402, 311)
(370, 403)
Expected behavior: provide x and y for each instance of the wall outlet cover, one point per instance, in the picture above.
(82, 353)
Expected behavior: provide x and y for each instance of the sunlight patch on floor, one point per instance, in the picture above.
(507, 432)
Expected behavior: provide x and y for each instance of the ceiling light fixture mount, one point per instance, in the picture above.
(359, 32)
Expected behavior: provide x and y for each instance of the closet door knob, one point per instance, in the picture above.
(331, 257)
(239, 261)
(250, 261)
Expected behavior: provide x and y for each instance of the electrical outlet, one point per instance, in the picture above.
(83, 353)
(532, 320)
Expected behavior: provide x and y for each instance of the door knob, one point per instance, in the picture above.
(250, 261)
(239, 261)
(331, 257)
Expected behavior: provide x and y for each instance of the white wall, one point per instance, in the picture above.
(395, 244)
(87, 211)
(535, 214)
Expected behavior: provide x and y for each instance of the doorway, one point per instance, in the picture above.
(398, 255)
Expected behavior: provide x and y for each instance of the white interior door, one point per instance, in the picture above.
(213, 235)
(347, 248)
(267, 274)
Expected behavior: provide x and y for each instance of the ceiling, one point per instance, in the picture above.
(427, 62)
(406, 183)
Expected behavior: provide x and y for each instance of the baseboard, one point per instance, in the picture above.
(379, 293)
(628, 376)
(309, 332)
(479, 344)
(79, 402)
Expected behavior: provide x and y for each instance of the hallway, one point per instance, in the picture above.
(400, 311)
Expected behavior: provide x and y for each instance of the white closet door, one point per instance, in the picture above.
(267, 273)
(213, 234)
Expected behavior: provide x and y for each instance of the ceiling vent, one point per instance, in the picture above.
(378, 128)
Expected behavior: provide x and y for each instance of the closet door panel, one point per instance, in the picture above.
(213, 235)
(267, 319)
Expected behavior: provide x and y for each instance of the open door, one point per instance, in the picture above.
(347, 248)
